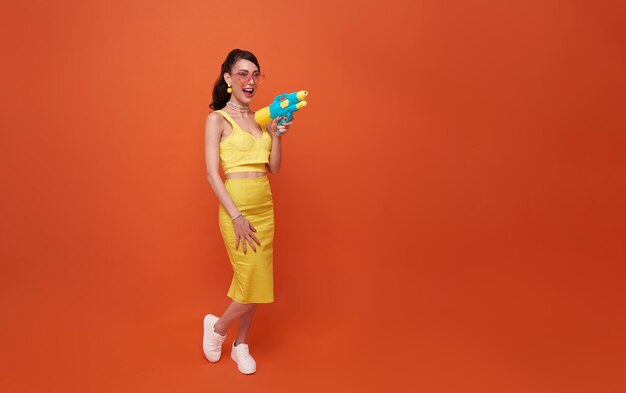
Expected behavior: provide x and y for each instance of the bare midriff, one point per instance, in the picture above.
(244, 174)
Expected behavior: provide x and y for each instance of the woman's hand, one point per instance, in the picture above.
(273, 128)
(244, 232)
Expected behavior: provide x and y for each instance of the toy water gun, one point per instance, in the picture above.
(283, 108)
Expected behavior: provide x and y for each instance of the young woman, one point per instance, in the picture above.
(246, 152)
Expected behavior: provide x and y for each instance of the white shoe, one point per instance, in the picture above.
(241, 355)
(212, 341)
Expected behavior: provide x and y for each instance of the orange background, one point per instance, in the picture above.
(449, 214)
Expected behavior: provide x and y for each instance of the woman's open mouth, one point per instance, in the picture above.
(248, 92)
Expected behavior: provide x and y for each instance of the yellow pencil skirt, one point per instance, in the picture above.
(253, 274)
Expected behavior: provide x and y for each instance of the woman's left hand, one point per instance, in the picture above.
(283, 128)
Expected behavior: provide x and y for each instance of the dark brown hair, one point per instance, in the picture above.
(220, 95)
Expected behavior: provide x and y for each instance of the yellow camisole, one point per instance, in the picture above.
(242, 151)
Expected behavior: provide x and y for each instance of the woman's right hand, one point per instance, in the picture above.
(244, 231)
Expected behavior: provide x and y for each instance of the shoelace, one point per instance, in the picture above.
(220, 339)
(245, 352)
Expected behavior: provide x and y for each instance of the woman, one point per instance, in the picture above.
(246, 152)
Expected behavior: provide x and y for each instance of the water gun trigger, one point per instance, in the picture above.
(285, 119)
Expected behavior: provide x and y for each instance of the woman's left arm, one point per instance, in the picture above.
(275, 153)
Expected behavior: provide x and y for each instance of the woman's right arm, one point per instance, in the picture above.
(244, 230)
(212, 135)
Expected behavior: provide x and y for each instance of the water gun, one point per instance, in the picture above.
(283, 108)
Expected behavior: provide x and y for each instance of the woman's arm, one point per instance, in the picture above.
(275, 154)
(212, 135)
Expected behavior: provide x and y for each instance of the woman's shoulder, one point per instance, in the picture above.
(215, 120)
(217, 116)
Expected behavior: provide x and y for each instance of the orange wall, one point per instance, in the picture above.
(449, 215)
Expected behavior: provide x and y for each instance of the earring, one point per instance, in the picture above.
(229, 89)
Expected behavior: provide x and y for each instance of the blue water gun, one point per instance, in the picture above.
(284, 105)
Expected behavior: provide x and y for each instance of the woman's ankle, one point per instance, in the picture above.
(219, 330)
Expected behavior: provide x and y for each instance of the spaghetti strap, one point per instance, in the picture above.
(228, 119)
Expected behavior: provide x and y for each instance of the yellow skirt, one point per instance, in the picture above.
(253, 274)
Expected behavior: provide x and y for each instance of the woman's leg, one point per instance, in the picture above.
(233, 311)
(244, 324)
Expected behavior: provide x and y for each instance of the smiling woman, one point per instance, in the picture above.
(246, 152)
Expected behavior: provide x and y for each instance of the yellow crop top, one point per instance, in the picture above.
(242, 151)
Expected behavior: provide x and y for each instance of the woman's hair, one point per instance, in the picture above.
(220, 95)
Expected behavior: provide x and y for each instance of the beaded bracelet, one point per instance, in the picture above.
(240, 214)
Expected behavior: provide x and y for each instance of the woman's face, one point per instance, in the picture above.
(245, 79)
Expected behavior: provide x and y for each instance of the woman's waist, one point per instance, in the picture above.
(250, 191)
(251, 169)
(247, 177)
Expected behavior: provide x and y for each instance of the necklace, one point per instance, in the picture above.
(237, 107)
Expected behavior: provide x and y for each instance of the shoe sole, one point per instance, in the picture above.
(207, 324)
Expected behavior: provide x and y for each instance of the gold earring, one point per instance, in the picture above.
(229, 89)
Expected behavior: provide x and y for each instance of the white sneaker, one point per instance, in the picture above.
(241, 355)
(212, 341)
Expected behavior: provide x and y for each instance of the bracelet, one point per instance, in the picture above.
(240, 214)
